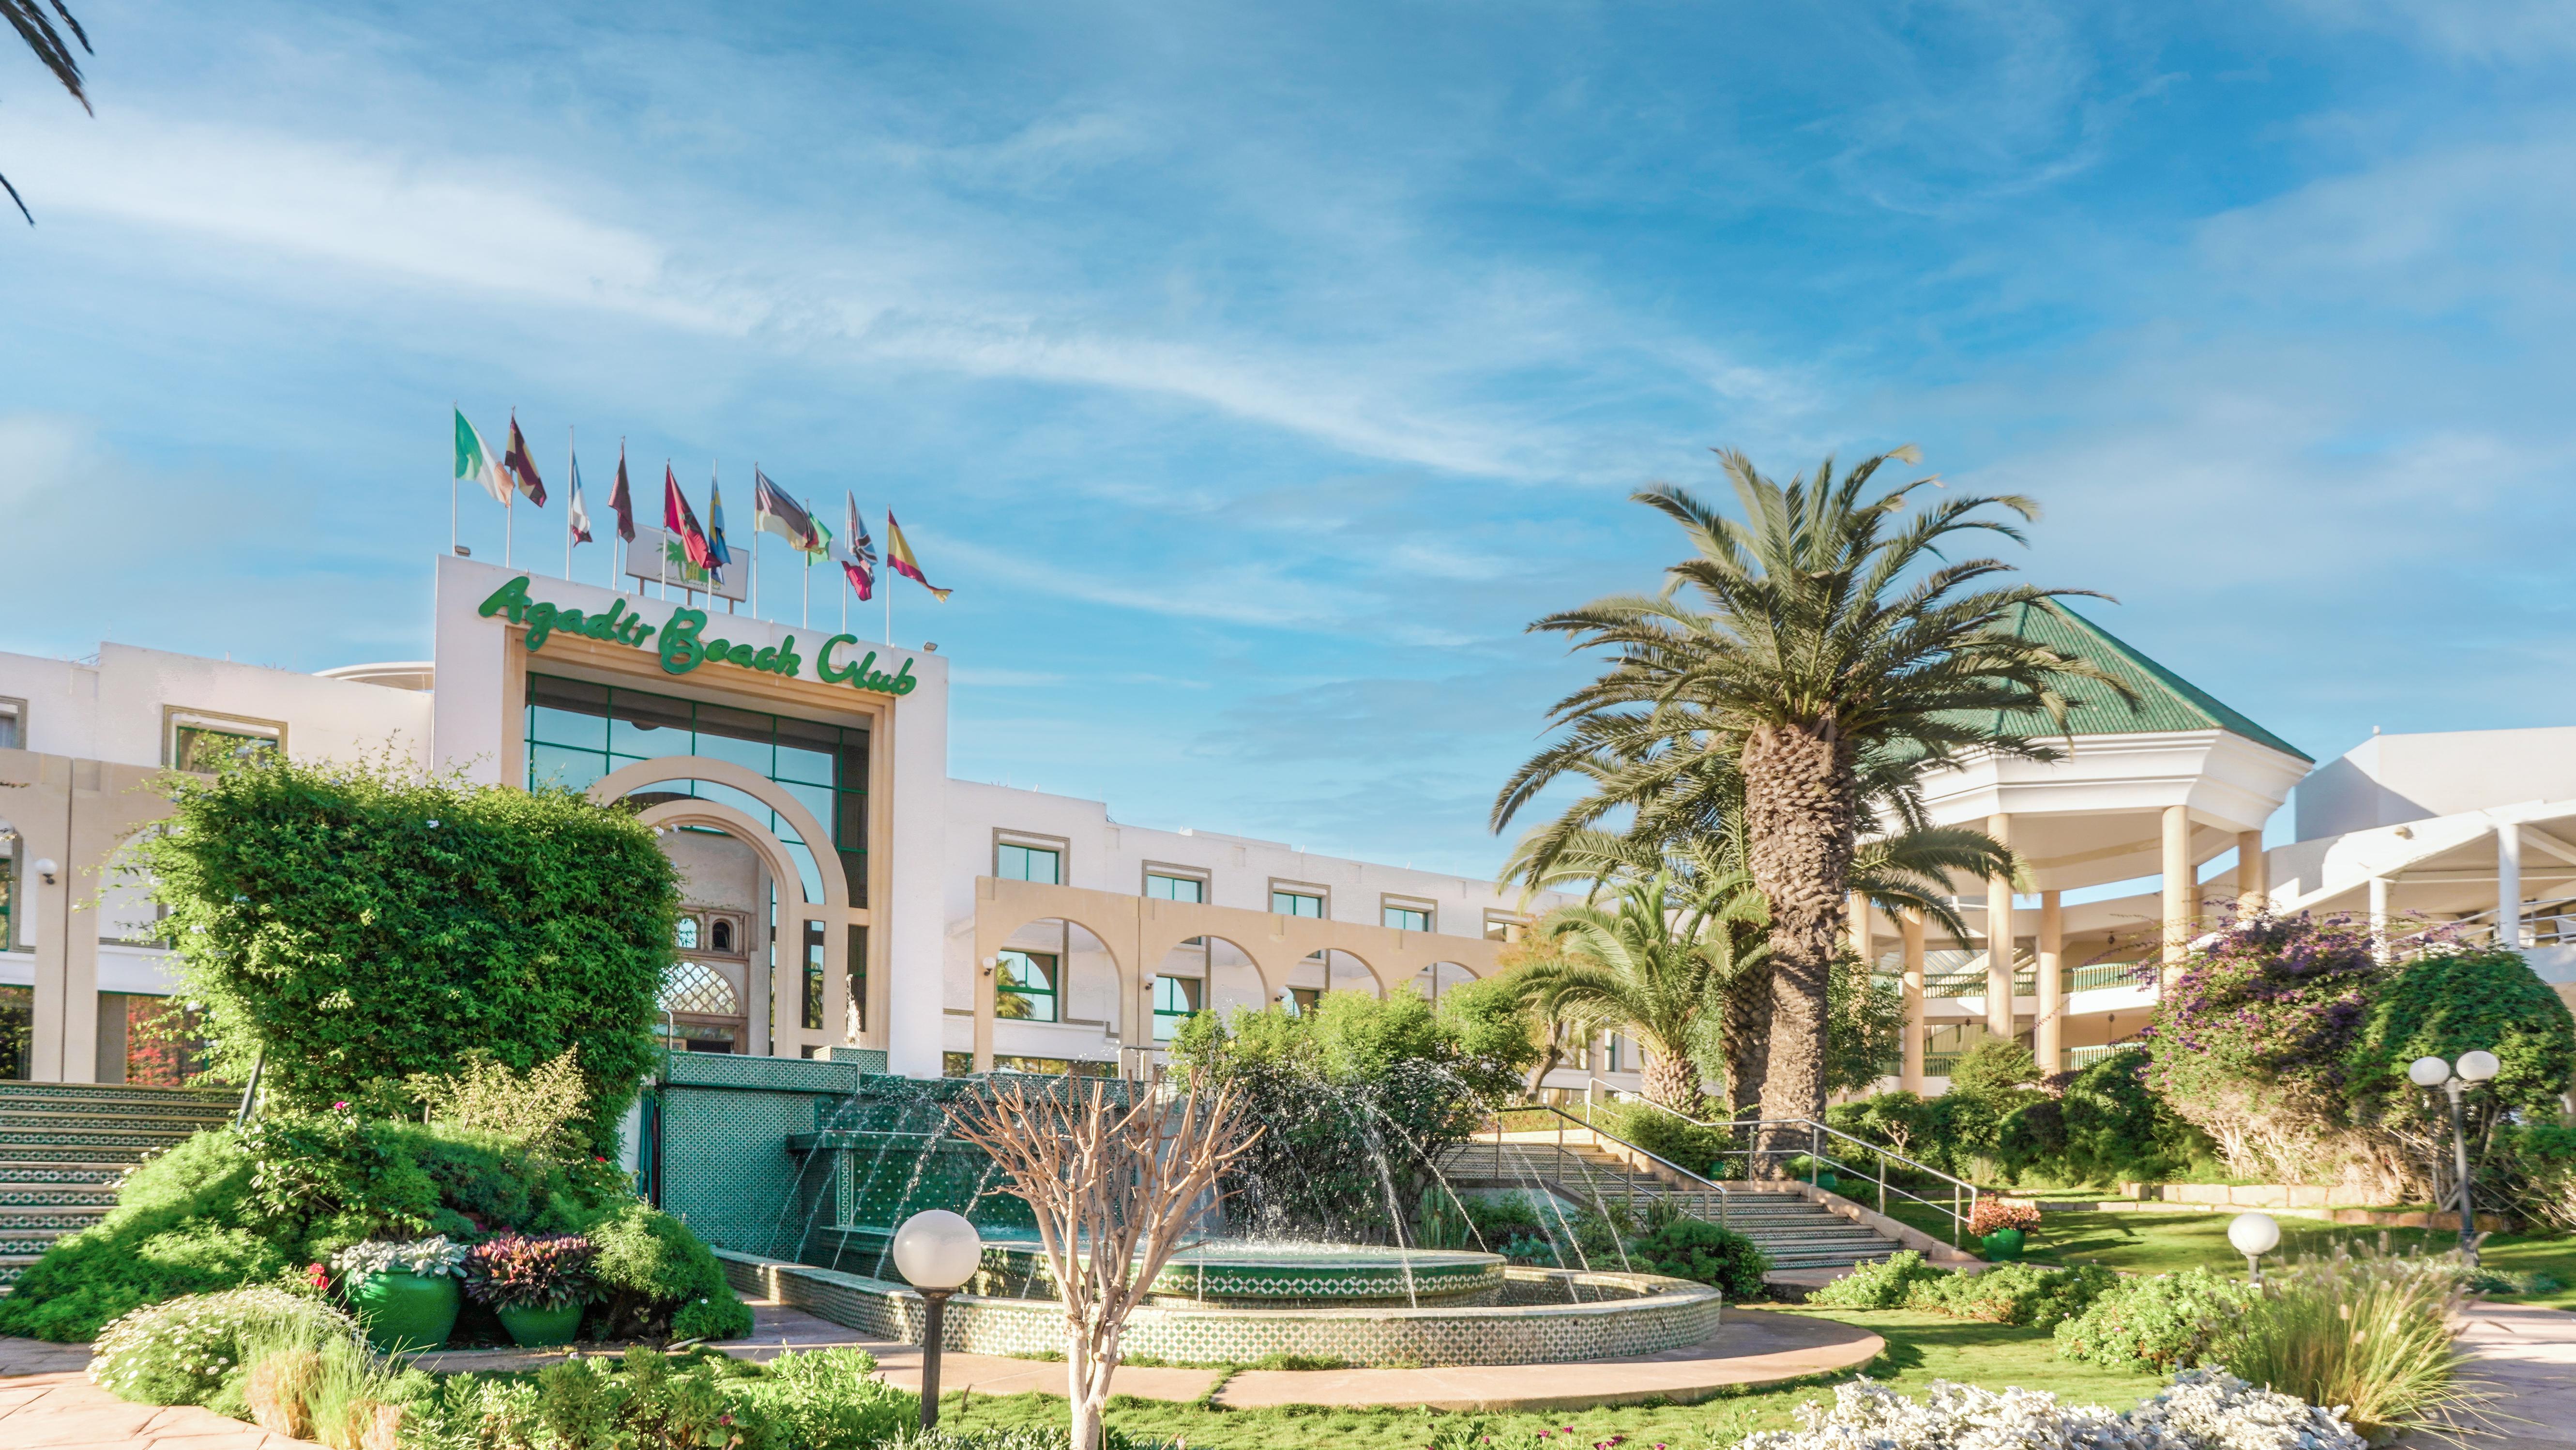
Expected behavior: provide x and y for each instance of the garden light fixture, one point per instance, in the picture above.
(936, 1252)
(2475, 1066)
(2254, 1235)
(46, 866)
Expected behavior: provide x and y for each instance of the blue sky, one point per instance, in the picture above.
(1255, 373)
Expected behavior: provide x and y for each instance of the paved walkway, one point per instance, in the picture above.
(2529, 1354)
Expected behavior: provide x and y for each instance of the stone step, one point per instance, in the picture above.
(33, 1094)
(56, 1196)
(29, 1242)
(51, 1172)
(16, 1222)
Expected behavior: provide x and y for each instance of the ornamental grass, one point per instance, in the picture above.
(2368, 1332)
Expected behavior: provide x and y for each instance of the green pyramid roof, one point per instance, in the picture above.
(2166, 701)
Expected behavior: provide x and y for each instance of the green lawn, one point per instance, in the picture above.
(2154, 1243)
(1921, 1348)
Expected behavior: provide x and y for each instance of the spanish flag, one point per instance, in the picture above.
(898, 557)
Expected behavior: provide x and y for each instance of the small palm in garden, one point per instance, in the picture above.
(1648, 967)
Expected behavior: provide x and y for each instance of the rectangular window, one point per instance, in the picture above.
(10, 847)
(578, 732)
(1295, 903)
(1302, 1000)
(1028, 863)
(1503, 926)
(858, 981)
(1175, 998)
(201, 743)
(1169, 886)
(811, 1016)
(1406, 915)
(1024, 987)
(13, 724)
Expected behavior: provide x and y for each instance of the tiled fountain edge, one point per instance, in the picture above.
(1675, 1313)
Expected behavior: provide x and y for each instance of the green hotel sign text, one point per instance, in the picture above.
(683, 644)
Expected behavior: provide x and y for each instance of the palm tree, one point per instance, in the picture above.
(1655, 965)
(36, 28)
(1823, 645)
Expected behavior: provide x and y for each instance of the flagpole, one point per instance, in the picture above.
(509, 517)
(452, 485)
(805, 611)
(755, 538)
(572, 476)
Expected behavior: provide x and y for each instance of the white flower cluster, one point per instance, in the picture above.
(431, 1257)
(177, 1351)
(2202, 1410)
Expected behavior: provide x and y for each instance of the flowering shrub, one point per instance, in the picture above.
(431, 1257)
(179, 1352)
(1992, 1214)
(2250, 1046)
(1883, 1285)
(2200, 1411)
(516, 1271)
(2162, 1323)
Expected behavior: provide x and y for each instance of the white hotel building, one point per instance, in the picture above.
(842, 890)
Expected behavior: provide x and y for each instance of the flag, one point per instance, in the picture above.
(718, 556)
(521, 468)
(576, 517)
(782, 515)
(822, 540)
(621, 500)
(899, 558)
(680, 519)
(474, 460)
(858, 554)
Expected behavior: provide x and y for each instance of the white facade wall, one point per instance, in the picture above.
(2389, 780)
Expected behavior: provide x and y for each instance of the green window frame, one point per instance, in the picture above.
(1296, 903)
(577, 732)
(1176, 1000)
(1175, 888)
(1032, 978)
(1408, 918)
(1041, 864)
(1302, 1000)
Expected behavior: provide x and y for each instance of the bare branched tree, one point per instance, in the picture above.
(35, 27)
(1114, 1187)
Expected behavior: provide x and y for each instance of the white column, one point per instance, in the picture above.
(2049, 1034)
(1999, 938)
(2509, 884)
(1863, 940)
(2379, 915)
(1910, 1075)
(2253, 875)
(2181, 892)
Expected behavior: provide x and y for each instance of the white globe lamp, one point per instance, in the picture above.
(2254, 1235)
(936, 1251)
(2479, 1066)
(2428, 1072)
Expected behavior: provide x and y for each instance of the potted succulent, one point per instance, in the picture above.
(536, 1285)
(404, 1293)
(2001, 1227)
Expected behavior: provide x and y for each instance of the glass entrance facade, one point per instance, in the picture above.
(578, 732)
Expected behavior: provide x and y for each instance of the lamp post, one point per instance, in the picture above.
(2254, 1235)
(936, 1251)
(2432, 1072)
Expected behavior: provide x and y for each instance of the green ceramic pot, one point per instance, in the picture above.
(1828, 1182)
(406, 1311)
(2003, 1243)
(533, 1328)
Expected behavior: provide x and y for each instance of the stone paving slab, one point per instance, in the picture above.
(62, 1410)
(2528, 1354)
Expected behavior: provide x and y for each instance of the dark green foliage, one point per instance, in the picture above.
(2032, 1134)
(176, 1229)
(2013, 1294)
(1354, 1078)
(2116, 1130)
(2163, 1323)
(660, 1281)
(360, 925)
(1864, 1026)
(1671, 1137)
(1883, 1285)
(1993, 1068)
(1690, 1248)
(2441, 1005)
(545, 1271)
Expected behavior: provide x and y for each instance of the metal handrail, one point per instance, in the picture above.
(1706, 1185)
(1963, 1195)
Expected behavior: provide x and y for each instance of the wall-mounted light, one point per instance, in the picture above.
(46, 866)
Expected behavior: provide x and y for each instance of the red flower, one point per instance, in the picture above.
(318, 1276)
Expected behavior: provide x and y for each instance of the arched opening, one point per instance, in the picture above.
(702, 1008)
(1203, 974)
(727, 916)
(1440, 977)
(1056, 972)
(1330, 970)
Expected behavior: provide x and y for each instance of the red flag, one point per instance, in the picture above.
(680, 519)
(521, 468)
(621, 500)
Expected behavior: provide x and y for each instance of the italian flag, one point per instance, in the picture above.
(474, 461)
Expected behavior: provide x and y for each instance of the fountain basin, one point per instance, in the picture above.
(1237, 1272)
(1577, 1316)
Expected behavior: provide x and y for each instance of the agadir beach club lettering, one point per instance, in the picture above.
(683, 643)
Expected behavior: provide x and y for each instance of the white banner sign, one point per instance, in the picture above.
(657, 556)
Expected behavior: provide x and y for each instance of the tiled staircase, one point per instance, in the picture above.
(65, 1146)
(1797, 1232)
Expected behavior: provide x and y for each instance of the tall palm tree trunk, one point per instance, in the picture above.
(1802, 814)
(1747, 1035)
(1671, 1081)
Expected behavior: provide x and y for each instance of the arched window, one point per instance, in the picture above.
(697, 988)
(720, 936)
(687, 935)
